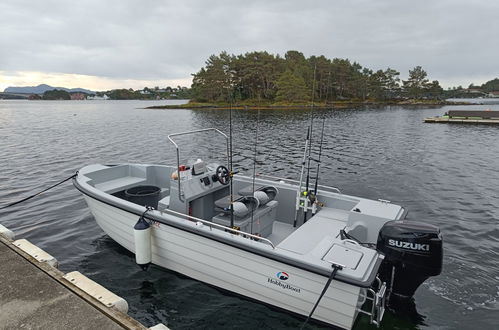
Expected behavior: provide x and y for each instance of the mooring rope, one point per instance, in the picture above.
(328, 283)
(40, 192)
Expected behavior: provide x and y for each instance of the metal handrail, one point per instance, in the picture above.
(377, 310)
(170, 137)
(212, 224)
(296, 181)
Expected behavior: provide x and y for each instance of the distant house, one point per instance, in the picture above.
(78, 96)
(95, 97)
(494, 94)
(148, 91)
(473, 91)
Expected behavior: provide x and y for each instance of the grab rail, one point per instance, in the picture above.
(170, 137)
(377, 310)
(351, 241)
(333, 189)
(212, 224)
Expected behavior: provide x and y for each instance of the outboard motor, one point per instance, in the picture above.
(413, 252)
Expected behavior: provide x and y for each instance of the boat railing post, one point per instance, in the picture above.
(178, 176)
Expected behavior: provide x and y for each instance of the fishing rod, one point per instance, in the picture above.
(254, 167)
(306, 192)
(231, 187)
(314, 196)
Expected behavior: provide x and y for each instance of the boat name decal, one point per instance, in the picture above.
(408, 245)
(284, 286)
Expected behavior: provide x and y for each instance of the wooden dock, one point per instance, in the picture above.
(447, 120)
(34, 294)
(485, 117)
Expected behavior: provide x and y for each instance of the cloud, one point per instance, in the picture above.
(169, 40)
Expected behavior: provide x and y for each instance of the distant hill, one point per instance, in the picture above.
(40, 89)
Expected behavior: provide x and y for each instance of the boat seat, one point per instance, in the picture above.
(264, 194)
(242, 205)
(263, 218)
(123, 183)
(112, 179)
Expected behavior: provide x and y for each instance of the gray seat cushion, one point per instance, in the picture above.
(242, 205)
(264, 194)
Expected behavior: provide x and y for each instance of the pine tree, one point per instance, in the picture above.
(417, 83)
(291, 88)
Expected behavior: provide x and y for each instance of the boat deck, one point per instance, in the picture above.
(318, 231)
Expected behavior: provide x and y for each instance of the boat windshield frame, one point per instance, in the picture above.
(170, 138)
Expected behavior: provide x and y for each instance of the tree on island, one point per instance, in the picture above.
(264, 77)
(385, 85)
(124, 94)
(213, 82)
(434, 90)
(417, 83)
(254, 75)
(56, 94)
(291, 88)
(491, 85)
(418, 86)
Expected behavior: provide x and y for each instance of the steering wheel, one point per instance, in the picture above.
(223, 175)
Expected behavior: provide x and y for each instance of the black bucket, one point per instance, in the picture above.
(144, 195)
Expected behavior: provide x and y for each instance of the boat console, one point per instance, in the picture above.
(204, 193)
(195, 188)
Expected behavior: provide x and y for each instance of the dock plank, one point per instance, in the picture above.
(31, 298)
(446, 120)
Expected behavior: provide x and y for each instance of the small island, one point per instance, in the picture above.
(260, 80)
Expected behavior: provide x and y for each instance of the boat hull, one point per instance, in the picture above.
(236, 270)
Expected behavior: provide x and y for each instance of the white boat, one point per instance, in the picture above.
(253, 247)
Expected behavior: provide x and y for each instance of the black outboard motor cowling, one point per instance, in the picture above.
(413, 252)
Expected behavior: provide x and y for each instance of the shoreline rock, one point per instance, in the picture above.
(338, 105)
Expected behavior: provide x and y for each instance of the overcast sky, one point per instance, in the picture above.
(105, 44)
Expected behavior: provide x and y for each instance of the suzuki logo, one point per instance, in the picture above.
(410, 246)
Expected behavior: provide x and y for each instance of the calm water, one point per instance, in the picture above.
(444, 174)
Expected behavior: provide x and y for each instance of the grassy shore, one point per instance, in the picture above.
(282, 105)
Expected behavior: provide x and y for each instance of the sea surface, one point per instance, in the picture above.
(445, 174)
